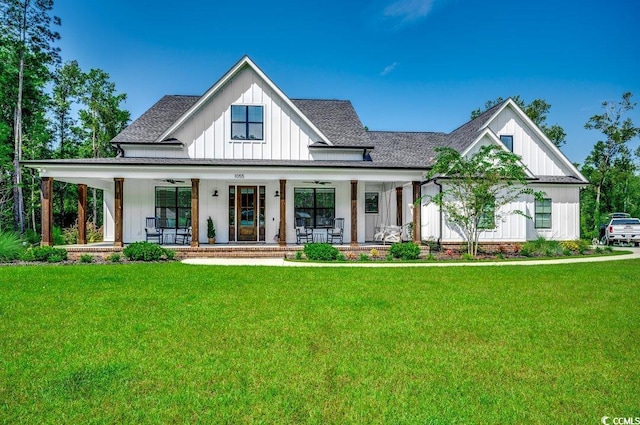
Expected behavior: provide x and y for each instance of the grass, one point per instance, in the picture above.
(171, 343)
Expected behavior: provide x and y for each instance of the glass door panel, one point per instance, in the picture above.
(247, 219)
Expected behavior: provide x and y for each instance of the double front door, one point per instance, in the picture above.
(246, 213)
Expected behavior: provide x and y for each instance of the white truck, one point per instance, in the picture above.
(624, 229)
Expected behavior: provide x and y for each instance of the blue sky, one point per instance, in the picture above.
(410, 65)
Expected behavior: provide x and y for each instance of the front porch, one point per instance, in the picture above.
(260, 210)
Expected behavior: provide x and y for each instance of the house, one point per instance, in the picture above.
(255, 160)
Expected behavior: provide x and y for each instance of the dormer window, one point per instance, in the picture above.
(247, 122)
(508, 141)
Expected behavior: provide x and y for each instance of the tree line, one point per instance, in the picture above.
(48, 109)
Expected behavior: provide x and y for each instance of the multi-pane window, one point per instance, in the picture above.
(247, 122)
(173, 206)
(316, 205)
(508, 141)
(487, 219)
(371, 202)
(542, 214)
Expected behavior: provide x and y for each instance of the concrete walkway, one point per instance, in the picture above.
(281, 262)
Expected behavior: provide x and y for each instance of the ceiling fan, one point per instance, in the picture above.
(318, 182)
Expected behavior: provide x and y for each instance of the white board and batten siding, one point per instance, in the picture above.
(207, 133)
(513, 227)
(535, 154)
(565, 213)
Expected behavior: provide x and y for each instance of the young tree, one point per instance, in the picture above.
(537, 110)
(610, 157)
(27, 26)
(476, 188)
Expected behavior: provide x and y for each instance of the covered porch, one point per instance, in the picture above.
(252, 206)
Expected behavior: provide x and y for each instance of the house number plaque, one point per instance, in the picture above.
(239, 175)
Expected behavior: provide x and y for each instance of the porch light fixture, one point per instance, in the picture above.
(215, 193)
(277, 195)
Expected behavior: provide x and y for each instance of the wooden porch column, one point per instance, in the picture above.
(82, 214)
(399, 209)
(417, 213)
(46, 187)
(282, 240)
(195, 212)
(118, 204)
(354, 213)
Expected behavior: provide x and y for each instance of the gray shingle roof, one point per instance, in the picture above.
(150, 125)
(413, 149)
(336, 119)
(559, 180)
(460, 138)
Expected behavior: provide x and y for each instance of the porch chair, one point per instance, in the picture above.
(336, 233)
(379, 235)
(303, 233)
(184, 233)
(392, 234)
(153, 229)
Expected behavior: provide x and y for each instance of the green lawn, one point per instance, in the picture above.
(171, 343)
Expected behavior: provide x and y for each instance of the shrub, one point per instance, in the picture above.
(364, 257)
(542, 247)
(571, 246)
(45, 254)
(351, 256)
(405, 251)
(298, 255)
(374, 253)
(525, 251)
(115, 257)
(467, 256)
(58, 237)
(10, 247)
(341, 257)
(147, 251)
(93, 233)
(321, 252)
(31, 237)
(86, 258)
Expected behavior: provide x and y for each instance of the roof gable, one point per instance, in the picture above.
(235, 70)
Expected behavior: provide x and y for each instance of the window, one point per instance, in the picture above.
(316, 206)
(173, 206)
(508, 142)
(542, 217)
(371, 202)
(247, 122)
(487, 219)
